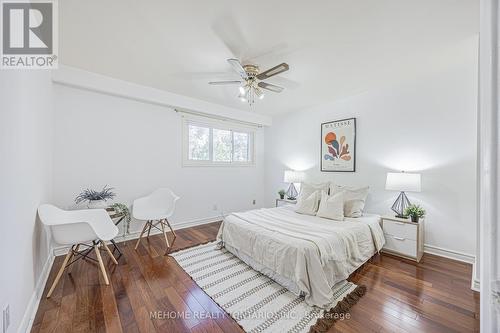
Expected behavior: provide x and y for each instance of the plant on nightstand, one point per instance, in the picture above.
(415, 212)
(123, 209)
(282, 194)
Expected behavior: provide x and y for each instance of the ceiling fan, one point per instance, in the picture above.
(251, 83)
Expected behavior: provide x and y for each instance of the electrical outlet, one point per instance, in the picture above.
(6, 318)
(253, 202)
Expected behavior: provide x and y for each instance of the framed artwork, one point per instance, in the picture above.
(338, 146)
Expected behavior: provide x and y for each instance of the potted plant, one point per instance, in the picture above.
(415, 212)
(95, 199)
(123, 209)
(281, 194)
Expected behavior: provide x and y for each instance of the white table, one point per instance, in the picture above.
(403, 237)
(281, 202)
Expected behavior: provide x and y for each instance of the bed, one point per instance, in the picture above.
(306, 254)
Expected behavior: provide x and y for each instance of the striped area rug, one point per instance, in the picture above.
(256, 302)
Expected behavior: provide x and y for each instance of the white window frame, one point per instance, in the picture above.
(220, 125)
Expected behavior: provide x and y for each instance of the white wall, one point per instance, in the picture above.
(26, 174)
(136, 148)
(426, 124)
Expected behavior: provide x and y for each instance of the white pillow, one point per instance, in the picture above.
(309, 205)
(307, 189)
(354, 199)
(331, 207)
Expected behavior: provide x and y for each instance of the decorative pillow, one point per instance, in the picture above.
(331, 207)
(309, 205)
(354, 199)
(307, 189)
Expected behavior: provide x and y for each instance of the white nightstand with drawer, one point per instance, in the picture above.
(403, 237)
(284, 202)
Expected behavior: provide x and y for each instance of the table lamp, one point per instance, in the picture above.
(292, 177)
(403, 182)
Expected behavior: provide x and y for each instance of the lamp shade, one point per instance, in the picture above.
(402, 181)
(292, 176)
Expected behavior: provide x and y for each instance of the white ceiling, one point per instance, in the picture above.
(335, 48)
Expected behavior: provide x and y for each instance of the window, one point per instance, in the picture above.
(223, 145)
(240, 146)
(199, 143)
(213, 143)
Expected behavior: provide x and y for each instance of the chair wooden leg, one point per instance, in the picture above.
(172, 230)
(109, 252)
(164, 233)
(142, 232)
(149, 229)
(72, 256)
(101, 264)
(61, 270)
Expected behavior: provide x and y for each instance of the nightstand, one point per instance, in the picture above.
(281, 202)
(403, 237)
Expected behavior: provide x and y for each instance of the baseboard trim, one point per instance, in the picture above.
(29, 314)
(62, 250)
(475, 285)
(475, 282)
(450, 254)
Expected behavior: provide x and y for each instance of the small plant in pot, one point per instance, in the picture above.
(415, 212)
(282, 194)
(121, 208)
(95, 199)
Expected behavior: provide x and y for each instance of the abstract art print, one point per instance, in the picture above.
(338, 145)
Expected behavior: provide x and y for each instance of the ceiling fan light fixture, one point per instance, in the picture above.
(251, 84)
(243, 96)
(259, 93)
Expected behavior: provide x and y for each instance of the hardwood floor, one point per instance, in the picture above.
(402, 296)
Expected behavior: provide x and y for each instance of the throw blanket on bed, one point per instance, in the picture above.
(306, 253)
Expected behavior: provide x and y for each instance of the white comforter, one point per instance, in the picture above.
(307, 254)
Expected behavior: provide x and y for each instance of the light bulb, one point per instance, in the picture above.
(242, 90)
(242, 97)
(259, 93)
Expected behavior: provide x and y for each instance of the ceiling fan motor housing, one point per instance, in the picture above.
(251, 70)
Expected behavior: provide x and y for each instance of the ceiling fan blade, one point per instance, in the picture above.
(229, 31)
(237, 67)
(273, 71)
(270, 87)
(274, 52)
(223, 83)
(284, 82)
(205, 76)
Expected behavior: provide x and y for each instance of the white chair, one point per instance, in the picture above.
(155, 209)
(77, 228)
